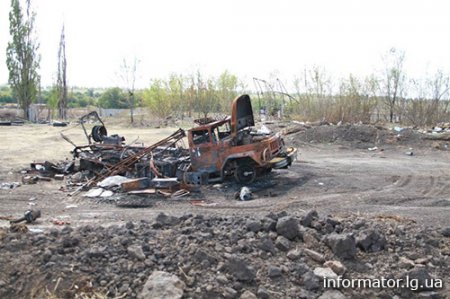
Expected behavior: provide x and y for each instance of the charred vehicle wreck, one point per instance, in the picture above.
(231, 147)
(218, 150)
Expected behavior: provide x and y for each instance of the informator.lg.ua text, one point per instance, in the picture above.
(413, 284)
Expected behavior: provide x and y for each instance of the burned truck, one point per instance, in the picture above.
(231, 147)
(218, 149)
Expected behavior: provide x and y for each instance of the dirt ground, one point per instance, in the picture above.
(334, 178)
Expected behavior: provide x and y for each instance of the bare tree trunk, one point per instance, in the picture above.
(132, 109)
(62, 81)
(26, 113)
(128, 76)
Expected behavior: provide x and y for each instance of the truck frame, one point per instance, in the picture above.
(231, 147)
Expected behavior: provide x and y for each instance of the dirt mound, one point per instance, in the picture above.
(276, 256)
(355, 135)
(349, 133)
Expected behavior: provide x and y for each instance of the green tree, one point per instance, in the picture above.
(22, 58)
(356, 101)
(227, 86)
(6, 95)
(314, 93)
(175, 88)
(158, 100)
(205, 100)
(113, 98)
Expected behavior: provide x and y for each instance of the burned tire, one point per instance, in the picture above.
(245, 174)
(98, 132)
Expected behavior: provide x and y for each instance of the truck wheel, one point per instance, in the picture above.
(245, 174)
(98, 132)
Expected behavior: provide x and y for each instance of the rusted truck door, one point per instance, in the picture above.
(203, 151)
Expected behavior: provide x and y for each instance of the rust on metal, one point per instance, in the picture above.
(126, 164)
(217, 149)
(229, 147)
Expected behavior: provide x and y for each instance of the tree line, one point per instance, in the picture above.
(387, 95)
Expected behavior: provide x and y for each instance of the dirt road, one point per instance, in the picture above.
(332, 178)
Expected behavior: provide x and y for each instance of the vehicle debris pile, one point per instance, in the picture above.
(218, 150)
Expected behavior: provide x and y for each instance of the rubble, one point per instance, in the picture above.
(162, 285)
(273, 271)
(422, 276)
(336, 266)
(136, 252)
(282, 243)
(332, 294)
(239, 269)
(342, 245)
(288, 227)
(314, 255)
(248, 295)
(263, 293)
(207, 256)
(294, 254)
(371, 240)
(309, 217)
(253, 225)
(446, 232)
(324, 273)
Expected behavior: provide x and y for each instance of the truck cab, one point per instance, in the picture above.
(231, 147)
